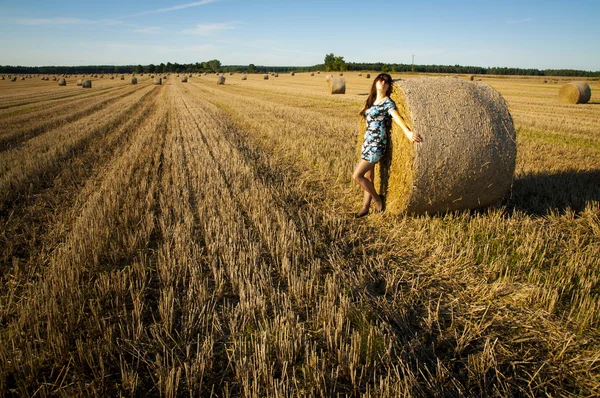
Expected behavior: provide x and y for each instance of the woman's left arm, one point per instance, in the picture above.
(411, 135)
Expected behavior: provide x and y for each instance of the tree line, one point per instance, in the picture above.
(331, 63)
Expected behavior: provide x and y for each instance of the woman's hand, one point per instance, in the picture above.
(412, 136)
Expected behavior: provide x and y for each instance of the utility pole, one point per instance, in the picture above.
(413, 63)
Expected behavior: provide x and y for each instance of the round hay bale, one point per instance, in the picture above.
(122, 77)
(79, 82)
(467, 157)
(221, 80)
(184, 79)
(230, 73)
(112, 78)
(157, 81)
(292, 73)
(471, 77)
(86, 84)
(165, 77)
(360, 74)
(13, 79)
(341, 73)
(368, 75)
(318, 72)
(276, 75)
(62, 82)
(266, 77)
(134, 80)
(312, 73)
(22, 78)
(244, 77)
(575, 93)
(337, 85)
(53, 78)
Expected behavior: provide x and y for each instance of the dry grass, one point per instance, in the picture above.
(195, 239)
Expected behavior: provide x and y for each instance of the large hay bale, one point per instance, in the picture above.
(86, 84)
(184, 79)
(337, 85)
(467, 157)
(574, 93)
(62, 82)
(157, 81)
(221, 80)
(266, 76)
(134, 80)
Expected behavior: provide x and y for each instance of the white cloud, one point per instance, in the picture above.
(209, 28)
(150, 30)
(52, 21)
(173, 8)
(518, 21)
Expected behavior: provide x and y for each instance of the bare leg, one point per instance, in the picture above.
(369, 175)
(362, 169)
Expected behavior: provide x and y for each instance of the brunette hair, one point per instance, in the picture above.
(373, 94)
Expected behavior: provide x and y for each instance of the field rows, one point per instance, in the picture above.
(195, 239)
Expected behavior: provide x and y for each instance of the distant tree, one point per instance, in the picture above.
(251, 68)
(151, 68)
(329, 62)
(395, 68)
(385, 68)
(138, 69)
(215, 65)
(168, 67)
(161, 68)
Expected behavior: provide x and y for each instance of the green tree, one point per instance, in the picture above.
(215, 65)
(138, 69)
(251, 68)
(151, 68)
(329, 62)
(385, 68)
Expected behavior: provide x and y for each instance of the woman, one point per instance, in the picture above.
(378, 111)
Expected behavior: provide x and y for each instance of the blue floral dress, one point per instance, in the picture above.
(375, 142)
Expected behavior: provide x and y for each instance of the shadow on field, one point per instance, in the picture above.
(541, 193)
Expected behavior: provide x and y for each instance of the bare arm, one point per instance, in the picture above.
(412, 136)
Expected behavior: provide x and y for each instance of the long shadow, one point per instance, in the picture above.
(539, 194)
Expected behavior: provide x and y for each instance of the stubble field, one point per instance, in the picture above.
(191, 239)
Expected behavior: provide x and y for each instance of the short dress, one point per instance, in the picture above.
(375, 141)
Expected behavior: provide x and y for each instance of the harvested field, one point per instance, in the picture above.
(197, 239)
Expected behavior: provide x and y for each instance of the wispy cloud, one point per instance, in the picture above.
(518, 21)
(172, 8)
(52, 21)
(153, 30)
(209, 29)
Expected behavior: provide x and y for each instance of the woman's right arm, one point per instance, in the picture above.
(411, 135)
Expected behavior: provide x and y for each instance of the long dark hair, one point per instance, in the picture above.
(373, 94)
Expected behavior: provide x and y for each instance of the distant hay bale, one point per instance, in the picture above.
(122, 77)
(318, 72)
(467, 157)
(337, 85)
(230, 73)
(79, 82)
(134, 80)
(165, 77)
(157, 81)
(221, 80)
(368, 75)
(86, 84)
(22, 77)
(360, 74)
(341, 73)
(312, 73)
(292, 73)
(575, 93)
(471, 77)
(275, 74)
(266, 77)
(184, 79)
(53, 78)
(13, 79)
(112, 78)
(244, 77)
(62, 82)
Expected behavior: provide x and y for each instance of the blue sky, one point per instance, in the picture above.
(513, 33)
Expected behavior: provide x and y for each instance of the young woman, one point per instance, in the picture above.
(378, 111)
